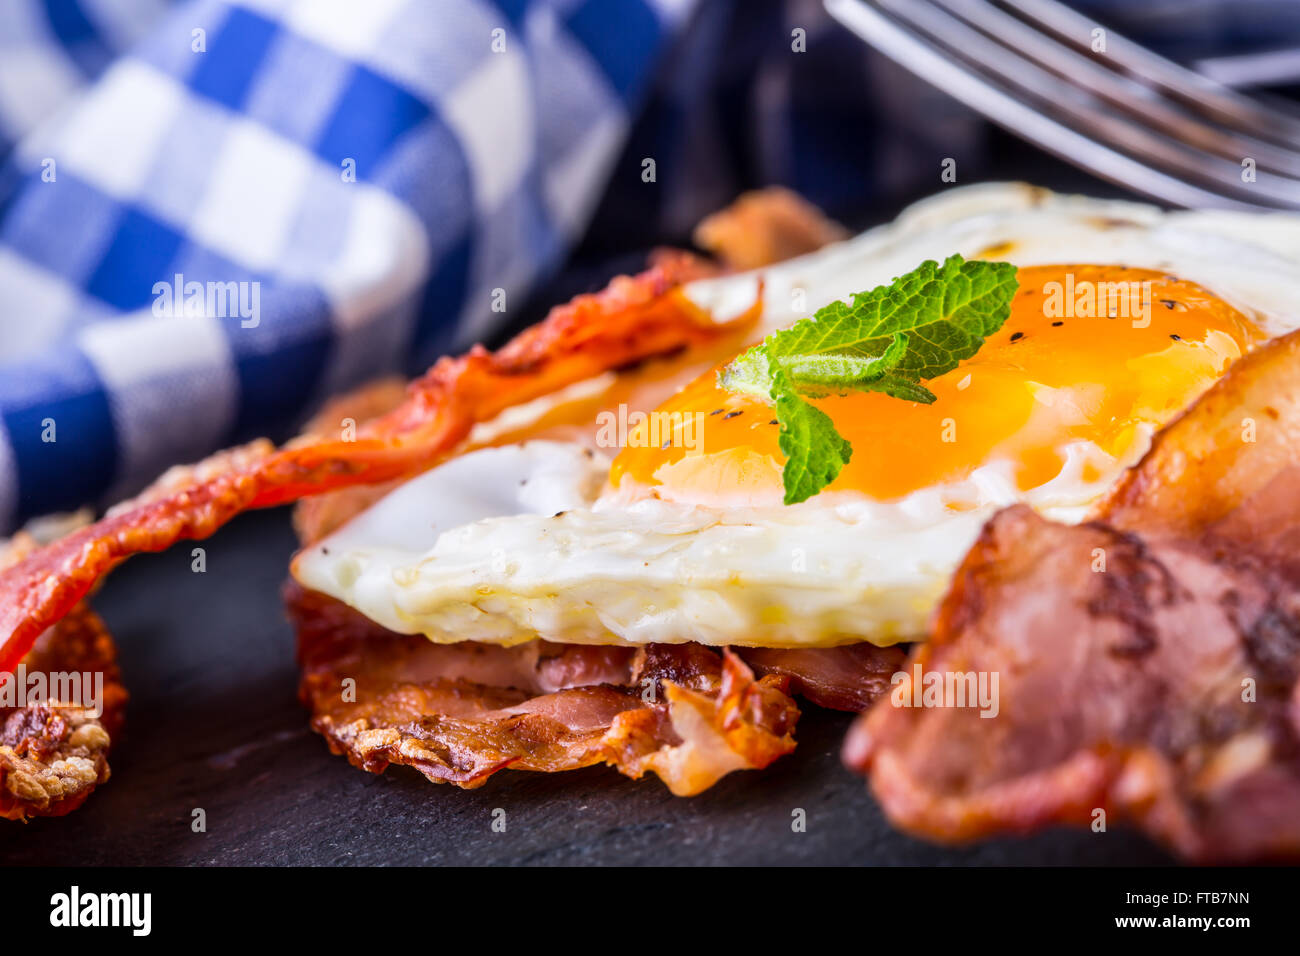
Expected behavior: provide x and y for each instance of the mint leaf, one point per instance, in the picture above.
(830, 369)
(886, 340)
(898, 387)
(814, 451)
(815, 374)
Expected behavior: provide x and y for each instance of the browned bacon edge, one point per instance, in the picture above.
(52, 757)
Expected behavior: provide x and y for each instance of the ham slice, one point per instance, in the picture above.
(459, 713)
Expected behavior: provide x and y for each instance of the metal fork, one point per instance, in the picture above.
(1097, 100)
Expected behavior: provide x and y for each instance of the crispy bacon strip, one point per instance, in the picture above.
(766, 226)
(52, 757)
(318, 515)
(1148, 663)
(632, 319)
(459, 713)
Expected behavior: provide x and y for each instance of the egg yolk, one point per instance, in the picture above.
(1088, 353)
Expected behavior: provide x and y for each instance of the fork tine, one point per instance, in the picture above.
(989, 56)
(1120, 90)
(897, 34)
(1272, 68)
(1278, 122)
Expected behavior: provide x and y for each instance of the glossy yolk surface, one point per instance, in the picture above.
(1077, 360)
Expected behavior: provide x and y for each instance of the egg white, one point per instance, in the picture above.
(505, 545)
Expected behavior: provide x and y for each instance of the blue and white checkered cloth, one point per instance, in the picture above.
(215, 213)
(365, 172)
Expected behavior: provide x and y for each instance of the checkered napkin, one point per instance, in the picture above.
(214, 214)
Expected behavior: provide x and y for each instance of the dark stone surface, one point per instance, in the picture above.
(214, 724)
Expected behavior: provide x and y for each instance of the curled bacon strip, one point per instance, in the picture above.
(459, 713)
(54, 752)
(632, 319)
(318, 515)
(53, 755)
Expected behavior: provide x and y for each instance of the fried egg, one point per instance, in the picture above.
(671, 527)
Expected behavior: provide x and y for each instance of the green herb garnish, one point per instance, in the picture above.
(887, 340)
